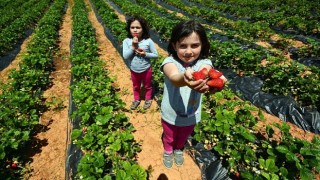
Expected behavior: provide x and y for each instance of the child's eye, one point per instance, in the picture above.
(193, 46)
(133, 27)
(182, 46)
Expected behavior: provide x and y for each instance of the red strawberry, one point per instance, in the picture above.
(214, 73)
(205, 71)
(216, 83)
(14, 165)
(237, 174)
(198, 75)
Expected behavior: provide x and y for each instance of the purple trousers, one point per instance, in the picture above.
(175, 137)
(139, 78)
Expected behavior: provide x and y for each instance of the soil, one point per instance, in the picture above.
(49, 146)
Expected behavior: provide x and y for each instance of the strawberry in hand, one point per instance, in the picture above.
(216, 83)
(198, 75)
(205, 71)
(213, 74)
(140, 50)
(135, 40)
(213, 77)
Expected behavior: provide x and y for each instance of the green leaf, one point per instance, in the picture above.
(284, 171)
(121, 175)
(262, 162)
(270, 151)
(107, 177)
(88, 138)
(219, 117)
(219, 149)
(291, 157)
(266, 175)
(246, 175)
(75, 134)
(25, 135)
(282, 149)
(116, 146)
(100, 160)
(111, 139)
(305, 151)
(218, 123)
(2, 153)
(274, 177)
(102, 120)
(306, 174)
(271, 166)
(269, 162)
(219, 95)
(126, 165)
(248, 135)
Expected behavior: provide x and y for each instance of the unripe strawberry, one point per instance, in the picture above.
(84, 130)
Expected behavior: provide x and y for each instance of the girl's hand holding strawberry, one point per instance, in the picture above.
(214, 79)
(135, 41)
(197, 84)
(140, 51)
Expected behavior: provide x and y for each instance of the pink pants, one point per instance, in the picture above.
(138, 79)
(175, 137)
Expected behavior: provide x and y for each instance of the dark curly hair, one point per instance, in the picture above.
(144, 25)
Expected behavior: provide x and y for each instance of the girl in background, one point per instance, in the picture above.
(138, 49)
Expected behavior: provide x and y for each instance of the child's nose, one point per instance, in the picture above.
(188, 51)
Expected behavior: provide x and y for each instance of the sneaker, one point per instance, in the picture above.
(135, 104)
(167, 160)
(178, 157)
(147, 104)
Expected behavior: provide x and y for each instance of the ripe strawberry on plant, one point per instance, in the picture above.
(237, 174)
(215, 83)
(198, 75)
(213, 74)
(14, 164)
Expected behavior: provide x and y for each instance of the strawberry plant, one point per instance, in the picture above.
(228, 130)
(291, 79)
(21, 99)
(103, 133)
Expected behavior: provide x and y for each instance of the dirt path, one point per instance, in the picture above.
(15, 63)
(147, 125)
(49, 159)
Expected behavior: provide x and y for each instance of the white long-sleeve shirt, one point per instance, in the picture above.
(138, 63)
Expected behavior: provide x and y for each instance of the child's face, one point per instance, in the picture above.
(135, 28)
(189, 48)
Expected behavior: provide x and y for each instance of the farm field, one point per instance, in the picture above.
(85, 80)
